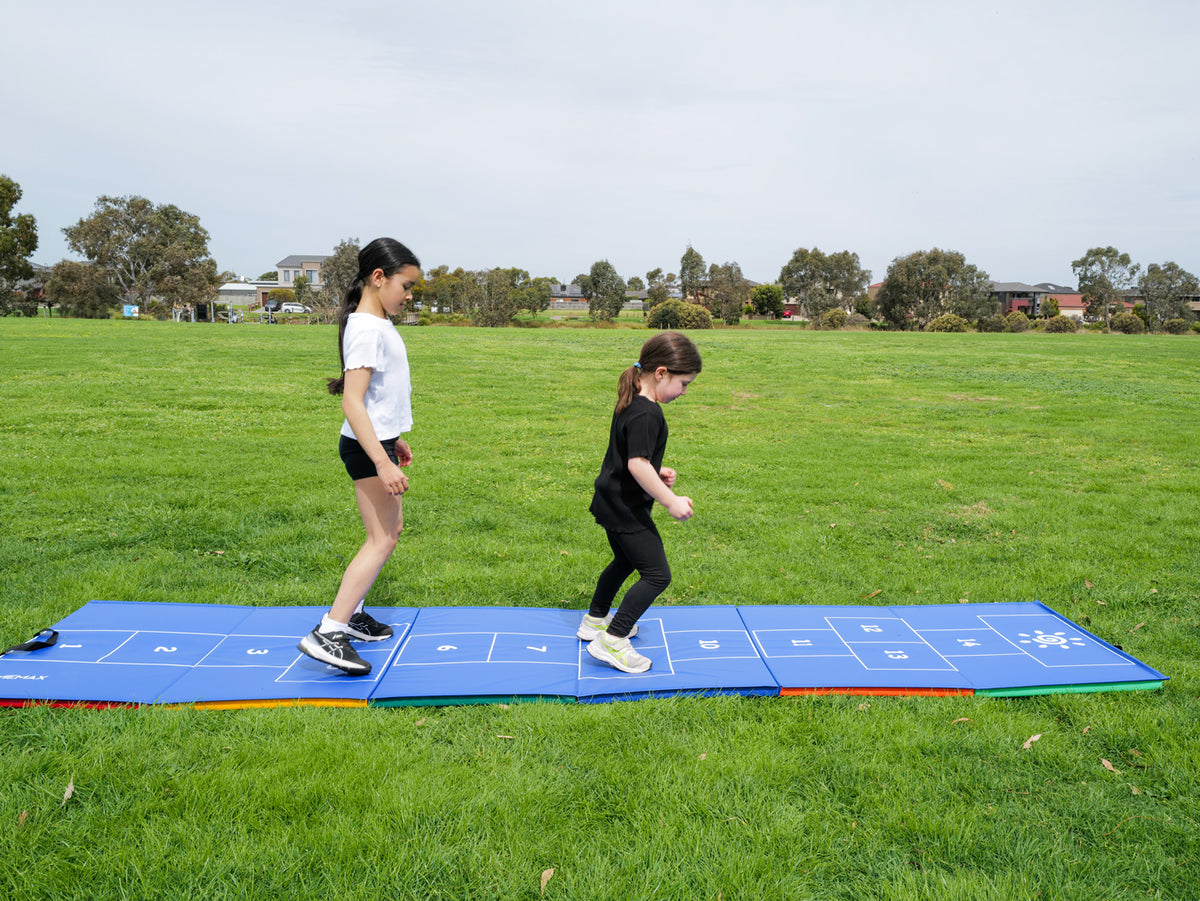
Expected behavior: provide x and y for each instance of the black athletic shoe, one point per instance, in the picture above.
(335, 650)
(364, 627)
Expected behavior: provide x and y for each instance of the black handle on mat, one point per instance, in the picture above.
(43, 639)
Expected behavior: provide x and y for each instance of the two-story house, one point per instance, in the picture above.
(291, 268)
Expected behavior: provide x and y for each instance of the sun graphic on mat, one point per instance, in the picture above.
(1051, 639)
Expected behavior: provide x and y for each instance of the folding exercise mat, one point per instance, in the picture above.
(993, 649)
(213, 655)
(480, 654)
(122, 652)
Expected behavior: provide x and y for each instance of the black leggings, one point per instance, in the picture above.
(641, 551)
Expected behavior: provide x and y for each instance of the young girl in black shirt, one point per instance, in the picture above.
(631, 479)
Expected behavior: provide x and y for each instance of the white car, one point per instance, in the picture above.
(295, 308)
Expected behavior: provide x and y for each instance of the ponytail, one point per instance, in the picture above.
(628, 386)
(349, 305)
(386, 254)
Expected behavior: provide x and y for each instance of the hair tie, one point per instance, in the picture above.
(638, 366)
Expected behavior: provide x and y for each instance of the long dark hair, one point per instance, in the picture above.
(387, 254)
(670, 349)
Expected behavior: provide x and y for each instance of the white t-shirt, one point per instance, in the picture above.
(370, 342)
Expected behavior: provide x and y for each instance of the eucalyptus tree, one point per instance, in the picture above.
(822, 281)
(693, 274)
(604, 290)
(1104, 275)
(147, 249)
(1166, 291)
(18, 241)
(929, 283)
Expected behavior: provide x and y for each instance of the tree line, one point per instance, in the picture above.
(157, 257)
(923, 287)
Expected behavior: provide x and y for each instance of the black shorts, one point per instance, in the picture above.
(358, 464)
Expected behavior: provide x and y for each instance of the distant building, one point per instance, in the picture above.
(1018, 297)
(288, 270)
(570, 297)
(291, 268)
(1070, 301)
(37, 280)
(567, 294)
(242, 294)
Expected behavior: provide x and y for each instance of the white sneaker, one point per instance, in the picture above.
(335, 650)
(593, 626)
(617, 652)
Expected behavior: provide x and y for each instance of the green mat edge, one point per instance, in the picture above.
(1068, 689)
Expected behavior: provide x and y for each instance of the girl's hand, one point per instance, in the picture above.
(667, 474)
(394, 481)
(403, 452)
(680, 508)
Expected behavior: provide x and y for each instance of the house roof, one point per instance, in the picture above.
(40, 274)
(1015, 288)
(298, 259)
(1052, 288)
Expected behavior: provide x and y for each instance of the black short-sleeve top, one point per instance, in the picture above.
(620, 504)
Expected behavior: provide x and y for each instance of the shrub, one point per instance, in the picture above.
(833, 319)
(1127, 324)
(948, 322)
(1061, 324)
(667, 314)
(995, 324)
(857, 321)
(675, 314)
(451, 319)
(695, 316)
(1175, 326)
(1016, 321)
(1196, 327)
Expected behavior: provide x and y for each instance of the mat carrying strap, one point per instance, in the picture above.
(43, 639)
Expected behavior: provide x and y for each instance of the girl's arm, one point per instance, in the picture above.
(353, 393)
(648, 477)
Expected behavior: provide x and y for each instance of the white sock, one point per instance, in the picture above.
(358, 609)
(329, 625)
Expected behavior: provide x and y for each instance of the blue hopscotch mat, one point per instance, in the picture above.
(216, 655)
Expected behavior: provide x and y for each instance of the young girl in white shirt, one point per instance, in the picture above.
(376, 399)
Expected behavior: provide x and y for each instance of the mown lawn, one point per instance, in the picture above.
(165, 462)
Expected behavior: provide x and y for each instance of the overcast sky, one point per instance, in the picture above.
(549, 135)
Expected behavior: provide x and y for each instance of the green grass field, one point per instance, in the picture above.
(163, 462)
